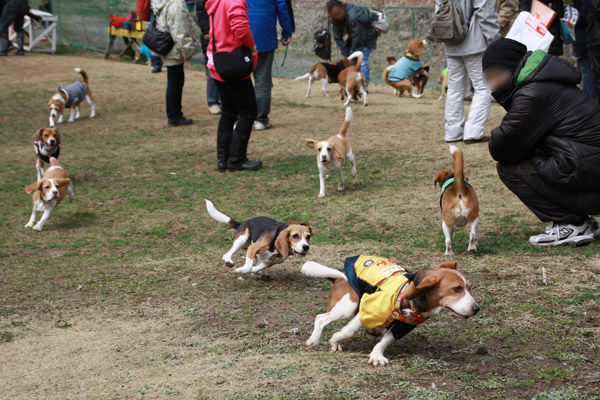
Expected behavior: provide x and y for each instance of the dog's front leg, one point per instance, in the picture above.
(448, 231)
(39, 169)
(322, 180)
(473, 240)
(341, 186)
(47, 211)
(51, 121)
(376, 357)
(33, 217)
(346, 333)
(60, 118)
(72, 115)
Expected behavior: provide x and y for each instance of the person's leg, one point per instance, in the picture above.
(264, 82)
(212, 92)
(242, 94)
(175, 80)
(365, 68)
(594, 54)
(156, 63)
(454, 112)
(480, 106)
(18, 26)
(229, 115)
(9, 13)
(587, 75)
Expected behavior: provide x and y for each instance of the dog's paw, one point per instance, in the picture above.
(377, 359)
(309, 344)
(335, 347)
(449, 253)
(242, 270)
(472, 248)
(228, 261)
(29, 225)
(340, 188)
(353, 173)
(38, 227)
(321, 195)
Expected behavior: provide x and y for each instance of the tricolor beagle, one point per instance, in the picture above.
(331, 154)
(48, 193)
(375, 292)
(70, 97)
(325, 72)
(458, 202)
(268, 241)
(46, 142)
(351, 80)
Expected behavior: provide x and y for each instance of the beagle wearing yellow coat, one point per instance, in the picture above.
(265, 240)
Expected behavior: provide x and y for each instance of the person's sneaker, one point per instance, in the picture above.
(156, 70)
(181, 121)
(591, 221)
(259, 126)
(563, 234)
(482, 139)
(215, 109)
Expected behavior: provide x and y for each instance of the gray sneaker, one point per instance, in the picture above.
(564, 234)
(594, 227)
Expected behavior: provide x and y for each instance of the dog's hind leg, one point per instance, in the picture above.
(310, 79)
(78, 112)
(348, 97)
(364, 93)
(350, 157)
(473, 240)
(346, 333)
(324, 88)
(341, 184)
(448, 231)
(237, 244)
(92, 106)
(72, 115)
(345, 308)
(70, 192)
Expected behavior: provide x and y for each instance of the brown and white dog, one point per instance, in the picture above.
(331, 154)
(268, 241)
(319, 71)
(48, 193)
(70, 97)
(46, 142)
(458, 202)
(425, 295)
(351, 80)
(417, 77)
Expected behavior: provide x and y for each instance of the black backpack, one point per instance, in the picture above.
(322, 44)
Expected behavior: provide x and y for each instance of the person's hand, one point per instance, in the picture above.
(286, 40)
(254, 57)
(207, 37)
(37, 18)
(187, 59)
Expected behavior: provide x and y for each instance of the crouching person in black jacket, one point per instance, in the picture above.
(548, 145)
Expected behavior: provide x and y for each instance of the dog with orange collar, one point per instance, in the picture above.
(376, 292)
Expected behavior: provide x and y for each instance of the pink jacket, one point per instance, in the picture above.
(229, 27)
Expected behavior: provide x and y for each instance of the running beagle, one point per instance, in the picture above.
(331, 154)
(351, 80)
(375, 292)
(458, 202)
(268, 241)
(46, 142)
(325, 72)
(70, 97)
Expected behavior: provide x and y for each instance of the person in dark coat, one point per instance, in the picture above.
(212, 91)
(580, 48)
(14, 12)
(593, 41)
(556, 47)
(548, 144)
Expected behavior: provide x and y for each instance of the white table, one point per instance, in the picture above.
(49, 31)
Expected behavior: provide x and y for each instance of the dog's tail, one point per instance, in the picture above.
(54, 162)
(219, 216)
(347, 122)
(305, 76)
(83, 74)
(386, 74)
(359, 57)
(317, 270)
(459, 174)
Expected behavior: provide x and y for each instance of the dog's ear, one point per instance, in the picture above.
(33, 187)
(311, 143)
(439, 178)
(413, 291)
(391, 60)
(426, 68)
(57, 136)
(38, 134)
(282, 243)
(63, 181)
(449, 265)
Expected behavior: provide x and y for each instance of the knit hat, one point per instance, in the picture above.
(504, 53)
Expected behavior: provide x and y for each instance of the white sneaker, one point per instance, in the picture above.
(563, 234)
(215, 109)
(259, 126)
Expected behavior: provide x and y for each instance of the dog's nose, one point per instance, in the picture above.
(51, 141)
(55, 192)
(475, 309)
(305, 247)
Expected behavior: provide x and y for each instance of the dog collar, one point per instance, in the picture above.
(413, 317)
(43, 149)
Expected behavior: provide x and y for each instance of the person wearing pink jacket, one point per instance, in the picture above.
(229, 29)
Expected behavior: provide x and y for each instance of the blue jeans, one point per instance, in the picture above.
(212, 91)
(364, 67)
(587, 74)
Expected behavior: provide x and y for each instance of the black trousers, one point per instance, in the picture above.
(594, 53)
(14, 12)
(547, 202)
(238, 103)
(175, 80)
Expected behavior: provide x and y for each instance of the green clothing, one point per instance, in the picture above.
(358, 24)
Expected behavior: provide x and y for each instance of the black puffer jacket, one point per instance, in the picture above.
(551, 122)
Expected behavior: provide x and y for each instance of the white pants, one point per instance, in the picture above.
(459, 70)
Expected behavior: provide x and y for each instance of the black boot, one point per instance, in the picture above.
(3, 44)
(237, 155)
(223, 144)
(20, 43)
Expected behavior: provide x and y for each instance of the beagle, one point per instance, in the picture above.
(331, 154)
(325, 72)
(268, 241)
(408, 71)
(375, 292)
(46, 142)
(48, 193)
(352, 83)
(70, 97)
(458, 201)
